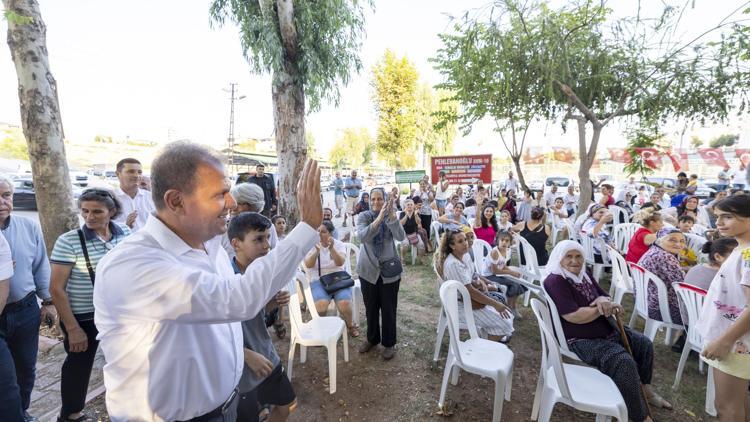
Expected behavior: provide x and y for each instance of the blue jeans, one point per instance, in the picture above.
(19, 343)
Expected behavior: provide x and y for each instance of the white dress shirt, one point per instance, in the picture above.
(168, 318)
(6, 259)
(142, 202)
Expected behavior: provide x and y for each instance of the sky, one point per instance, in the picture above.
(157, 70)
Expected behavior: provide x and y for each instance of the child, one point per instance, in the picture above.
(496, 267)
(279, 224)
(725, 319)
(693, 180)
(685, 223)
(505, 223)
(263, 379)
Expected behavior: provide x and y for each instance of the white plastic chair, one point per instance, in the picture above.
(692, 298)
(619, 214)
(481, 249)
(622, 233)
(530, 269)
(435, 233)
(352, 249)
(572, 233)
(319, 331)
(581, 387)
(476, 355)
(558, 225)
(588, 252)
(641, 279)
(621, 283)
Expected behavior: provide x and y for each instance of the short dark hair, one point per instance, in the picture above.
(121, 163)
(260, 165)
(277, 217)
(735, 204)
(103, 196)
(471, 202)
(176, 167)
(686, 217)
(246, 222)
(328, 224)
(722, 246)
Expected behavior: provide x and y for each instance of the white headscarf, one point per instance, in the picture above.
(554, 265)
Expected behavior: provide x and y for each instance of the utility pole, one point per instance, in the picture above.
(230, 138)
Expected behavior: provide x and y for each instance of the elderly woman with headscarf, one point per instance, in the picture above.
(379, 269)
(662, 259)
(585, 311)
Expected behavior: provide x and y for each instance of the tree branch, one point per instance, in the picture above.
(620, 108)
(587, 113)
(287, 28)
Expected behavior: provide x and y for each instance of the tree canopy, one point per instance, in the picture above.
(354, 148)
(329, 38)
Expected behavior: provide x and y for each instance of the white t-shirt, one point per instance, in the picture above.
(327, 266)
(439, 192)
(501, 261)
(549, 198)
(725, 300)
(511, 184)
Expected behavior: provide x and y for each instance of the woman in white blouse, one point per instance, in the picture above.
(454, 263)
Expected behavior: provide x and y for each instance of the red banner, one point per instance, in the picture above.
(619, 155)
(679, 160)
(744, 155)
(650, 156)
(563, 154)
(713, 157)
(533, 155)
(463, 169)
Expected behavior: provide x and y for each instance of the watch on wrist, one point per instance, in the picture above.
(47, 302)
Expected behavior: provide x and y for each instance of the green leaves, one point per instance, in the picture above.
(329, 37)
(353, 148)
(17, 19)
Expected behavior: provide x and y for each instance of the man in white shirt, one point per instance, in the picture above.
(167, 303)
(549, 197)
(137, 203)
(511, 183)
(666, 200)
(571, 200)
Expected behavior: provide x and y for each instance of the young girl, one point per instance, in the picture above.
(504, 223)
(725, 320)
(495, 268)
(279, 224)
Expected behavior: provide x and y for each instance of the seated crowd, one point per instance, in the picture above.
(678, 240)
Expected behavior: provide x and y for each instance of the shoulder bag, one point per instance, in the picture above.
(335, 281)
(92, 273)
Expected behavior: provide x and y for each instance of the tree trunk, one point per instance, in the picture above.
(41, 120)
(291, 147)
(586, 162)
(521, 179)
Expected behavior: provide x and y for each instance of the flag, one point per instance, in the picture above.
(650, 156)
(563, 154)
(713, 156)
(744, 155)
(679, 160)
(619, 155)
(533, 155)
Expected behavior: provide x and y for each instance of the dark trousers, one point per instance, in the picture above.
(628, 373)
(76, 370)
(381, 301)
(19, 343)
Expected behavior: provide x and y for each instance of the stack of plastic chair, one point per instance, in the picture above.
(622, 233)
(622, 282)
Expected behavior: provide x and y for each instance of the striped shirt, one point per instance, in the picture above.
(68, 251)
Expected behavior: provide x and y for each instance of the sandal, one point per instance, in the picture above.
(354, 331)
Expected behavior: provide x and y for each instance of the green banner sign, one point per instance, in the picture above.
(409, 176)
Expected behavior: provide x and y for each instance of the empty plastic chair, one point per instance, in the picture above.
(476, 355)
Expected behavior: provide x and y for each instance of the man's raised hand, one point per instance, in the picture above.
(308, 195)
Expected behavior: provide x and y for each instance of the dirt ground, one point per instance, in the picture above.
(407, 388)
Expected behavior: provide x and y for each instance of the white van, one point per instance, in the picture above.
(562, 183)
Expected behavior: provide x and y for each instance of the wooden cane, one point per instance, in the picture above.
(627, 347)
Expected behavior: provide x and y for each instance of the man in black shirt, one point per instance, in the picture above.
(266, 182)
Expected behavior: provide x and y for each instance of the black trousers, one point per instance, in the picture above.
(381, 301)
(76, 370)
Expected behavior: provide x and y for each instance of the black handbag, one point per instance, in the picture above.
(391, 268)
(334, 282)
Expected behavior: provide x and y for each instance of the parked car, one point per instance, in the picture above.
(24, 195)
(562, 183)
(79, 178)
(536, 186)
